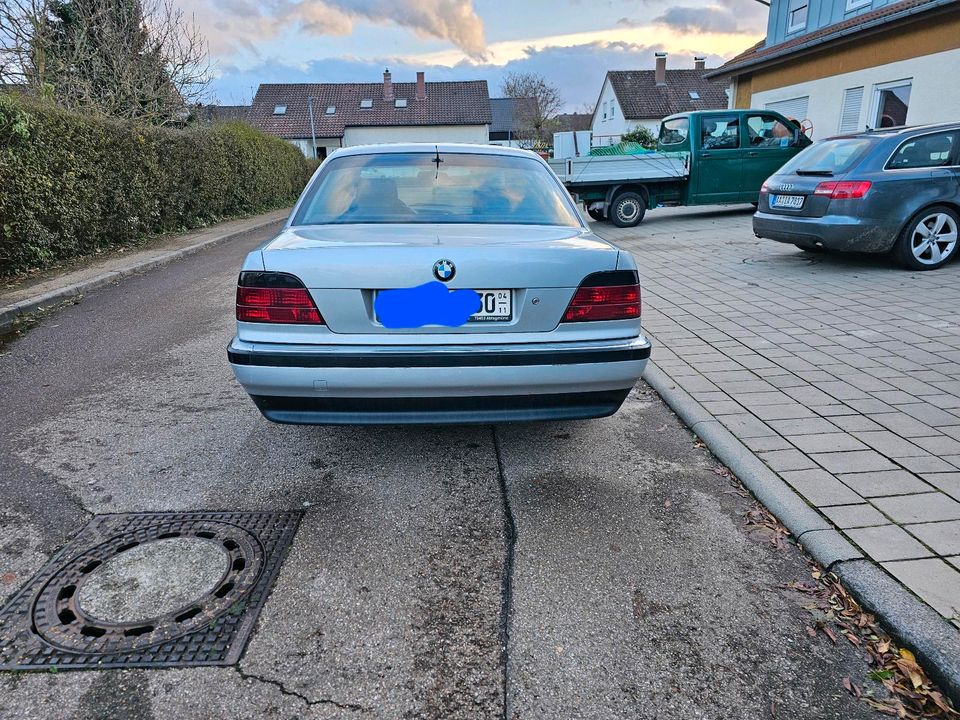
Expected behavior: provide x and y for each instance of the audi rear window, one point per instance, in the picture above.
(828, 157)
(436, 188)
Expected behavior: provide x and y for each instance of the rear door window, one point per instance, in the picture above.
(720, 132)
(925, 151)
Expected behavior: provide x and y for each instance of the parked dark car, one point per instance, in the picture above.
(893, 190)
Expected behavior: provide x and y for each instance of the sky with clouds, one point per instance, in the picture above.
(571, 42)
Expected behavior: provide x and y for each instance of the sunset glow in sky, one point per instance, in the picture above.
(572, 42)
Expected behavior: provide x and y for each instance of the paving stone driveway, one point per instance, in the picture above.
(842, 373)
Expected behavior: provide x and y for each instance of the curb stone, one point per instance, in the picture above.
(10, 313)
(909, 620)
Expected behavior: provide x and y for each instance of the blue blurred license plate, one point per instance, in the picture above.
(794, 202)
(495, 306)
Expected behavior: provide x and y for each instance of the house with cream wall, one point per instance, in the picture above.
(847, 65)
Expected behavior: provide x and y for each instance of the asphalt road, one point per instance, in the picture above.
(608, 554)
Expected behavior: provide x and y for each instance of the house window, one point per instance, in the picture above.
(331, 109)
(792, 109)
(366, 104)
(604, 110)
(613, 109)
(891, 101)
(850, 110)
(400, 102)
(797, 15)
(694, 95)
(857, 4)
(279, 109)
(925, 151)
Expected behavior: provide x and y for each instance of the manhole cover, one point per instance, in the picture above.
(148, 590)
(153, 579)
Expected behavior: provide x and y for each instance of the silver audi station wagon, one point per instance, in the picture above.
(437, 284)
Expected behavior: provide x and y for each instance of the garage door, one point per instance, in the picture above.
(795, 108)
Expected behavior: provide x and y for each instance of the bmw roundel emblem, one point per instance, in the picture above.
(444, 270)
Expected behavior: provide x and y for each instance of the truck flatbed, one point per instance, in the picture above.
(593, 169)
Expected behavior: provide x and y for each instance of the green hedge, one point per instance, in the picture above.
(73, 184)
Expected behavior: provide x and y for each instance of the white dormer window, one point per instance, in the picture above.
(857, 4)
(366, 104)
(400, 102)
(279, 109)
(331, 109)
(694, 95)
(797, 15)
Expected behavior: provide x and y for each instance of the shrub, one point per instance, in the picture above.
(642, 136)
(73, 184)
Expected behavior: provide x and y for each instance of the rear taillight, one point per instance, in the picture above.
(843, 190)
(606, 296)
(765, 188)
(275, 298)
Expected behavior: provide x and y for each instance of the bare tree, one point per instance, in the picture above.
(136, 59)
(537, 116)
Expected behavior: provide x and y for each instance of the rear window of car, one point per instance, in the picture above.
(828, 157)
(436, 188)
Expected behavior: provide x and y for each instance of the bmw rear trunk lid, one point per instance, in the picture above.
(344, 267)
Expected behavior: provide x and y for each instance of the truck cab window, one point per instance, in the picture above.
(720, 132)
(768, 131)
(674, 132)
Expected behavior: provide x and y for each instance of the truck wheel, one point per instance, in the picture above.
(596, 214)
(627, 209)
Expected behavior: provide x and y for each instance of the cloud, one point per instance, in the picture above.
(709, 19)
(578, 70)
(232, 25)
(453, 20)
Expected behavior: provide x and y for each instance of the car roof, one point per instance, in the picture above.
(382, 148)
(899, 131)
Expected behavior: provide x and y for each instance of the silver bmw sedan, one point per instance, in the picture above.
(437, 284)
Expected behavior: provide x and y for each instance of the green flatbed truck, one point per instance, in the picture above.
(702, 158)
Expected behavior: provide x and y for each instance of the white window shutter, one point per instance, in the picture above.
(795, 108)
(850, 111)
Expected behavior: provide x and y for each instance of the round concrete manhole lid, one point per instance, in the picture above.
(153, 579)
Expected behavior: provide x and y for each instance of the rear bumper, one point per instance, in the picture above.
(834, 232)
(456, 384)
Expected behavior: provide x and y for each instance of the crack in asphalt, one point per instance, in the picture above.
(292, 693)
(506, 584)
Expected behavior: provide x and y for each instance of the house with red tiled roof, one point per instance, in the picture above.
(846, 65)
(320, 117)
(632, 98)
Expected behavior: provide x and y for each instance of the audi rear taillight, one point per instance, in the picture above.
(611, 295)
(843, 190)
(275, 298)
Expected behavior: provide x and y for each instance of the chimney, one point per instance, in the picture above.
(699, 63)
(421, 87)
(387, 85)
(661, 73)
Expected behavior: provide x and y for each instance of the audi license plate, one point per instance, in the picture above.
(495, 306)
(792, 202)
